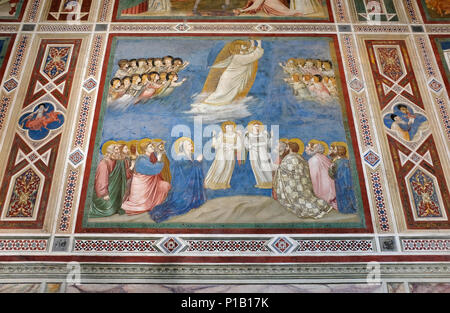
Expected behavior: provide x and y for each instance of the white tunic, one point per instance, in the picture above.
(221, 170)
(235, 77)
(258, 146)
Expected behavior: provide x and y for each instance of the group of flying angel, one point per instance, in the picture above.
(311, 79)
(148, 183)
(230, 78)
(138, 80)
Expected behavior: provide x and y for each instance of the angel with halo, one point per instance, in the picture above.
(229, 147)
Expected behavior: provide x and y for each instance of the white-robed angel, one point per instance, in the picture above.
(258, 142)
(236, 65)
(229, 147)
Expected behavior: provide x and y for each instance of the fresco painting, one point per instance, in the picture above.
(304, 10)
(203, 145)
(197, 136)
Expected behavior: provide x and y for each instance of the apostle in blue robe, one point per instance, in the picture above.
(341, 173)
(187, 191)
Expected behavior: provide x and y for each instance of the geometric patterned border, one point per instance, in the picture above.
(68, 201)
(225, 246)
(114, 246)
(426, 244)
(349, 245)
(23, 245)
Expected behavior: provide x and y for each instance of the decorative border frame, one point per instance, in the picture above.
(425, 91)
(368, 229)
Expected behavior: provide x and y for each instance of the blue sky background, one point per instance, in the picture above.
(273, 100)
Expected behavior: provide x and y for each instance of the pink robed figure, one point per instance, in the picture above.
(323, 185)
(148, 189)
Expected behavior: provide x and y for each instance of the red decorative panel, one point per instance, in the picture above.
(433, 168)
(30, 167)
(54, 70)
(392, 71)
(419, 173)
(16, 168)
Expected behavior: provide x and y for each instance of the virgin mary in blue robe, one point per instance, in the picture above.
(187, 191)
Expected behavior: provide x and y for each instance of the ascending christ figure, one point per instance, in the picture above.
(238, 72)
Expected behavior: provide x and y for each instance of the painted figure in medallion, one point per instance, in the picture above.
(406, 124)
(41, 121)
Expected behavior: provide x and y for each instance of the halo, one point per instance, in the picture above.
(227, 123)
(179, 141)
(300, 143)
(323, 143)
(159, 141)
(106, 145)
(122, 142)
(132, 143)
(343, 144)
(255, 122)
(292, 59)
(285, 140)
(238, 43)
(141, 143)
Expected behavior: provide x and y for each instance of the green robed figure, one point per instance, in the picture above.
(111, 177)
